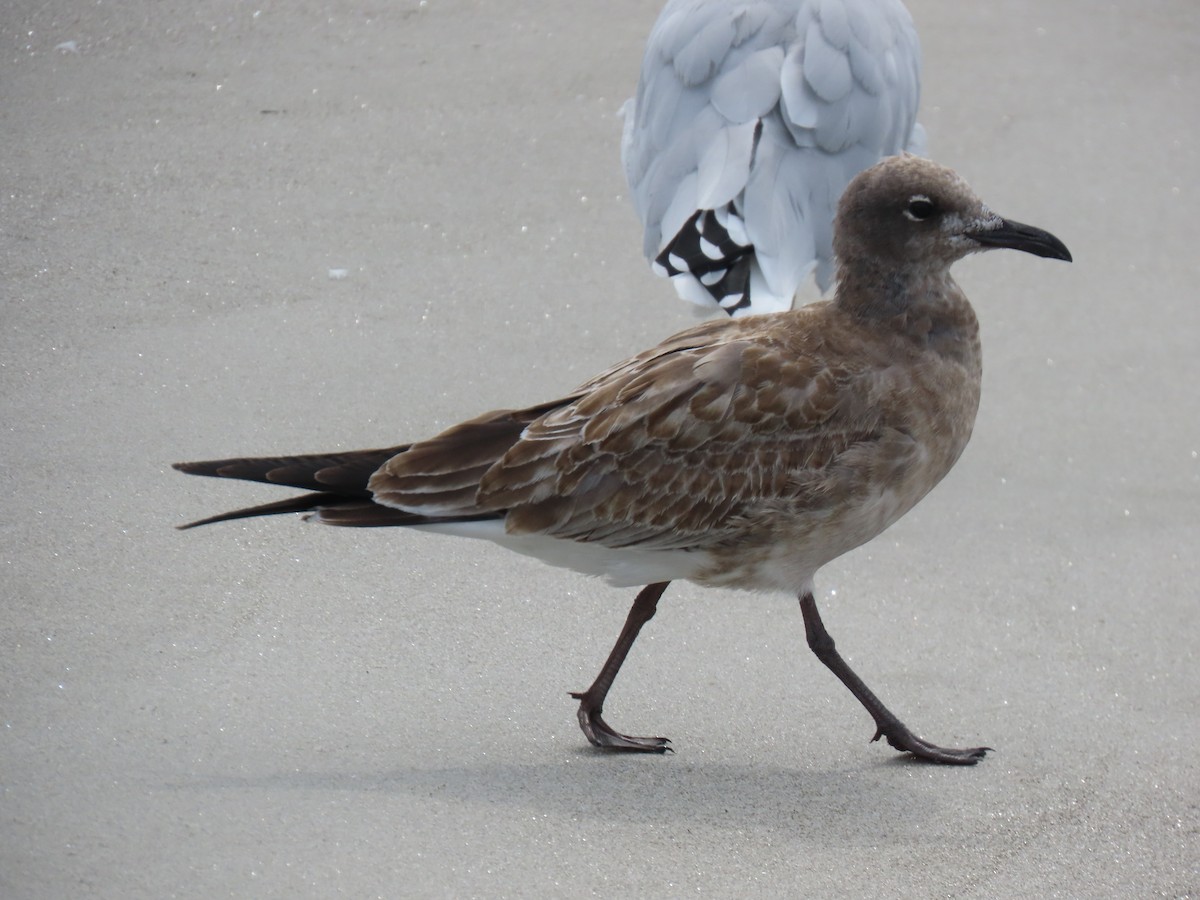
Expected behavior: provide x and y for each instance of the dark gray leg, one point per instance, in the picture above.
(886, 724)
(591, 701)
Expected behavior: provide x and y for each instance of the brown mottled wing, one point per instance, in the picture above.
(440, 477)
(667, 450)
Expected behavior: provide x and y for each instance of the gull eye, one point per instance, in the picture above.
(919, 208)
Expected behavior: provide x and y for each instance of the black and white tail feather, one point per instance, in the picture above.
(707, 250)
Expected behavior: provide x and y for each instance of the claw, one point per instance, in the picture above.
(906, 742)
(600, 734)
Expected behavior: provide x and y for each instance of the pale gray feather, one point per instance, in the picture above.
(764, 110)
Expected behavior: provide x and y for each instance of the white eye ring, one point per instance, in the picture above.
(919, 208)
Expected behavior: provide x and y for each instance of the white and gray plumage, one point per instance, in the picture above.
(742, 453)
(751, 117)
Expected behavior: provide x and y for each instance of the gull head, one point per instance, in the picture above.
(909, 215)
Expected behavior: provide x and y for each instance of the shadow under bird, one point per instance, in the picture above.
(743, 453)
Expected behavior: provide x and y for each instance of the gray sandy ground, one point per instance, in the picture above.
(270, 709)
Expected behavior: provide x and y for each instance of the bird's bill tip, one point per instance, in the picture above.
(1019, 236)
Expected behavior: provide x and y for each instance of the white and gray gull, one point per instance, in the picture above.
(742, 453)
(751, 117)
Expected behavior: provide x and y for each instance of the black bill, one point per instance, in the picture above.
(1019, 236)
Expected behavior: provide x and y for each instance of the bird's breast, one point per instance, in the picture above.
(916, 418)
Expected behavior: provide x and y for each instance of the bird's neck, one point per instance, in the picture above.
(924, 304)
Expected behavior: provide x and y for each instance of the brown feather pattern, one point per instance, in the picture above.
(769, 444)
(731, 422)
(742, 453)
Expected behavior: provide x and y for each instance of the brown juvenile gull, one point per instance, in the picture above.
(740, 453)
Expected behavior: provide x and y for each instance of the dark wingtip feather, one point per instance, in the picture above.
(311, 472)
(302, 503)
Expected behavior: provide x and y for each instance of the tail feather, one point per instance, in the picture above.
(313, 472)
(441, 474)
(366, 514)
(337, 483)
(706, 250)
(303, 503)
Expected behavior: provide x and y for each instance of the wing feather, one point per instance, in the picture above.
(826, 67)
(704, 52)
(672, 449)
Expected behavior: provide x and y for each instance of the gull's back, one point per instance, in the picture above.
(763, 112)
